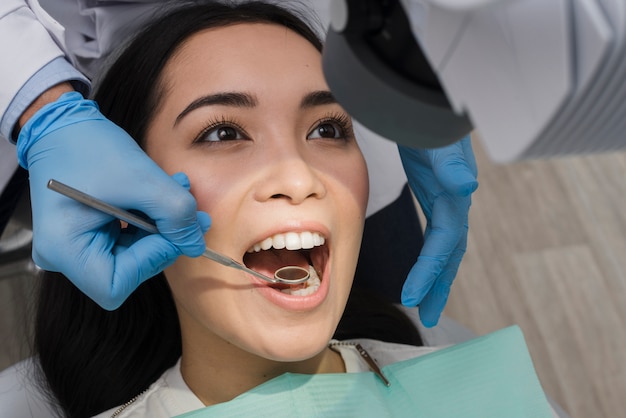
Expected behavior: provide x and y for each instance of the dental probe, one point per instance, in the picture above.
(286, 275)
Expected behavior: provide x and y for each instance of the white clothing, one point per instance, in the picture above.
(170, 396)
(26, 44)
(85, 33)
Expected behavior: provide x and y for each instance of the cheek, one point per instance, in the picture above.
(351, 175)
(224, 197)
(208, 191)
(361, 185)
(210, 179)
(351, 194)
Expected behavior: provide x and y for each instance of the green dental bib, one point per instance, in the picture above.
(490, 376)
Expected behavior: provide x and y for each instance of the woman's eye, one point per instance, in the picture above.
(327, 129)
(221, 133)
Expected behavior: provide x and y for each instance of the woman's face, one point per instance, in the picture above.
(270, 155)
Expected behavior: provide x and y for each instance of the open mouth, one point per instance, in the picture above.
(306, 249)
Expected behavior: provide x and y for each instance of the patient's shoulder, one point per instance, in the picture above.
(20, 395)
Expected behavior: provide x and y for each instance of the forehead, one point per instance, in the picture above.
(237, 54)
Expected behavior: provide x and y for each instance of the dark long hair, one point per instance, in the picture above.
(92, 359)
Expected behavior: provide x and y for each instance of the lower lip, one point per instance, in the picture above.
(296, 302)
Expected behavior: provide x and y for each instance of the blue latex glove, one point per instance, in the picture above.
(72, 142)
(443, 181)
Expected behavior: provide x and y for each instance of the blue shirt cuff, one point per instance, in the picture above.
(53, 73)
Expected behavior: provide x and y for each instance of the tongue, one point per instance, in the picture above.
(267, 262)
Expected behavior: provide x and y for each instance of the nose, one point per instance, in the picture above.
(290, 177)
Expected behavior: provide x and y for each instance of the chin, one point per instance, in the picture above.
(292, 345)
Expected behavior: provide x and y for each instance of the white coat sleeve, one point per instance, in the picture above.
(25, 47)
(31, 46)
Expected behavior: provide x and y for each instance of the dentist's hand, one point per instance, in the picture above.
(69, 140)
(443, 180)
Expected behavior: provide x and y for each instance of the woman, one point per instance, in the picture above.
(233, 96)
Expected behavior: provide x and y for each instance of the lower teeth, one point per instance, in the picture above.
(310, 286)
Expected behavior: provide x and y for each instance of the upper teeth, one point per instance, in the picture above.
(290, 240)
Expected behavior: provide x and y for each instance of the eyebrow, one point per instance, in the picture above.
(238, 99)
(317, 98)
(234, 99)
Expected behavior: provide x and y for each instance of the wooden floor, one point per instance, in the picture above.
(546, 251)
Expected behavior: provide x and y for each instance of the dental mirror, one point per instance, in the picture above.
(292, 274)
(287, 275)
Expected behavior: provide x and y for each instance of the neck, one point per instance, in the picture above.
(217, 371)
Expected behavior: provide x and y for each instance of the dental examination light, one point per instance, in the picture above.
(535, 78)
